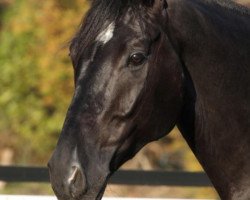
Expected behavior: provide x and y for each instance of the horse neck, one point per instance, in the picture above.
(215, 118)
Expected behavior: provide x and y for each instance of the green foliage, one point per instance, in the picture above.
(35, 74)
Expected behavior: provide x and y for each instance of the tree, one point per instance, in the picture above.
(35, 74)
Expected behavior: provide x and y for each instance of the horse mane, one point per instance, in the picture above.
(230, 5)
(103, 11)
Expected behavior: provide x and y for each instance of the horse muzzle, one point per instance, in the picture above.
(70, 181)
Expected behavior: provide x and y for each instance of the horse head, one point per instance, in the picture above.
(128, 92)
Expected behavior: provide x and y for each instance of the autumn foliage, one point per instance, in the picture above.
(36, 81)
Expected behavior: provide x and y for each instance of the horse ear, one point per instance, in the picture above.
(156, 4)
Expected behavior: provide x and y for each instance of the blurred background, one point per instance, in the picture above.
(36, 86)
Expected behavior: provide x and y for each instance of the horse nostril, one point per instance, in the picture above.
(73, 177)
(77, 182)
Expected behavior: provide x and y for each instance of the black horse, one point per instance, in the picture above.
(143, 66)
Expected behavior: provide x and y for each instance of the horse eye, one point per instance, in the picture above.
(137, 59)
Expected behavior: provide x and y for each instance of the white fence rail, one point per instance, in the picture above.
(22, 197)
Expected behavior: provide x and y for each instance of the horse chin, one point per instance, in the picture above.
(86, 196)
(96, 194)
(101, 192)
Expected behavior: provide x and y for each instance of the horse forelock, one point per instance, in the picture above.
(99, 24)
(101, 15)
